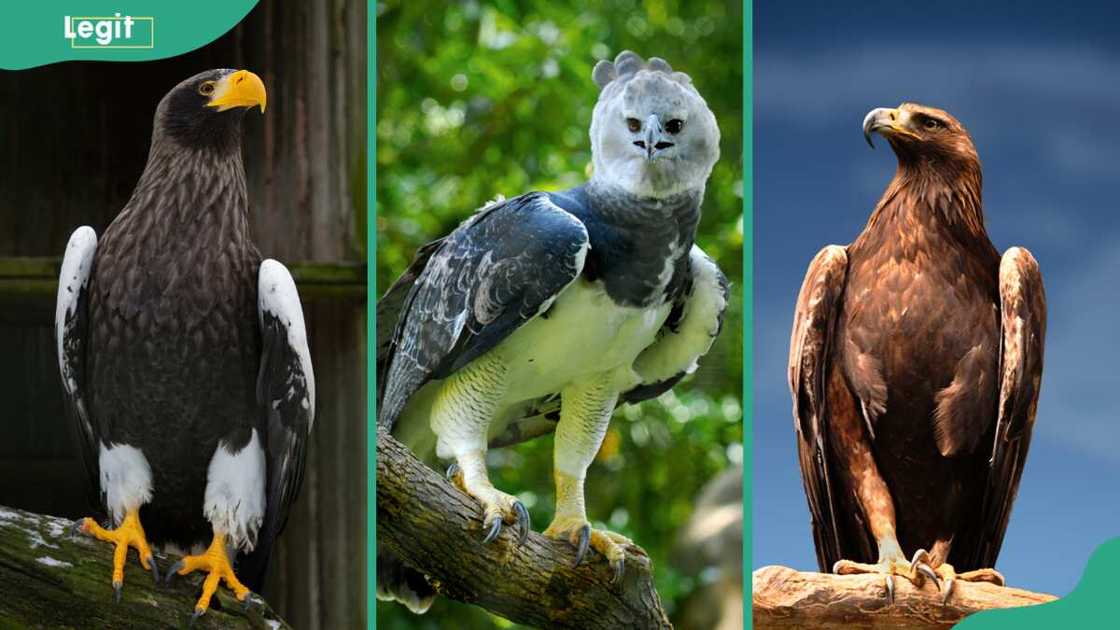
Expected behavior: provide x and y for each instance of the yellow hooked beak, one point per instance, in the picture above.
(886, 121)
(238, 89)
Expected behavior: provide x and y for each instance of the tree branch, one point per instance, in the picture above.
(786, 598)
(53, 577)
(434, 527)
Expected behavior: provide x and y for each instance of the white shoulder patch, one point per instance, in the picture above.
(126, 479)
(679, 351)
(74, 276)
(277, 295)
(235, 494)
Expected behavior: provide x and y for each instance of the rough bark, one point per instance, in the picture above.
(786, 598)
(438, 529)
(53, 577)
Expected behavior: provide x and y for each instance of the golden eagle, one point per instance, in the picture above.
(915, 363)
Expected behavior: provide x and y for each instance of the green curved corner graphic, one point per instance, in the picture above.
(1091, 605)
(42, 33)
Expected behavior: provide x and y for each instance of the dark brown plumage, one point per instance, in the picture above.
(184, 356)
(173, 314)
(915, 362)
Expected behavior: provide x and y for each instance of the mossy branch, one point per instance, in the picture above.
(54, 577)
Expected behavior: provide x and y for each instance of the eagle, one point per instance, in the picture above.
(183, 355)
(914, 367)
(544, 311)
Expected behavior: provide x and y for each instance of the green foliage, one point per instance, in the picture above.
(477, 99)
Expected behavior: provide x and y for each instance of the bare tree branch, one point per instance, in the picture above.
(52, 577)
(786, 598)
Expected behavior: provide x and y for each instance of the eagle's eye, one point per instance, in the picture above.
(206, 88)
(634, 124)
(933, 124)
(674, 126)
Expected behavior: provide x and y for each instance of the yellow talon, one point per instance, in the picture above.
(128, 534)
(215, 561)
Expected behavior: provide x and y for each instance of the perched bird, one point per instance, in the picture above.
(547, 310)
(183, 356)
(915, 363)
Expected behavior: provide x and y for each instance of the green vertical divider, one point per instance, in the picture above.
(371, 318)
(748, 301)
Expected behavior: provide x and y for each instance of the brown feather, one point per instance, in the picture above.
(923, 333)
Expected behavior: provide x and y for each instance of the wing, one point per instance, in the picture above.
(496, 271)
(286, 395)
(1023, 329)
(693, 325)
(814, 321)
(390, 305)
(71, 326)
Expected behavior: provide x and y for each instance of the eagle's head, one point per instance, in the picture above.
(652, 134)
(922, 135)
(205, 111)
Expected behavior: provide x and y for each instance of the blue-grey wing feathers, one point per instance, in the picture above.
(496, 271)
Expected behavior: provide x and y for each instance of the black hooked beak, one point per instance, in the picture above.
(654, 140)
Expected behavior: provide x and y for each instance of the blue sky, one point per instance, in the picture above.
(1038, 87)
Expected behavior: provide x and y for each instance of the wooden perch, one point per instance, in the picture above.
(438, 529)
(53, 577)
(786, 598)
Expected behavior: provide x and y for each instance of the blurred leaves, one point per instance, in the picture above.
(480, 99)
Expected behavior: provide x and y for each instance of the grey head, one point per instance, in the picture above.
(652, 134)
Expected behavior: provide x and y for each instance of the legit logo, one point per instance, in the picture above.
(110, 32)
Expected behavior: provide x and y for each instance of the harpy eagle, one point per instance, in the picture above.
(915, 363)
(184, 357)
(547, 310)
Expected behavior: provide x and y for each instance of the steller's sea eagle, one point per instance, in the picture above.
(558, 306)
(184, 357)
(914, 365)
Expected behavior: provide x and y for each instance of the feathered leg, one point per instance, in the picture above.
(234, 504)
(585, 413)
(461, 417)
(126, 484)
(874, 497)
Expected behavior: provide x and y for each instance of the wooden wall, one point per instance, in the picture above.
(74, 139)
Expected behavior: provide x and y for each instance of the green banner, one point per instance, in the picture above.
(1090, 605)
(41, 33)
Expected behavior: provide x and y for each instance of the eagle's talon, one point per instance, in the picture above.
(524, 522)
(452, 474)
(495, 528)
(889, 566)
(154, 569)
(251, 599)
(215, 562)
(583, 542)
(129, 534)
(619, 567)
(925, 570)
(172, 572)
(949, 577)
(198, 612)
